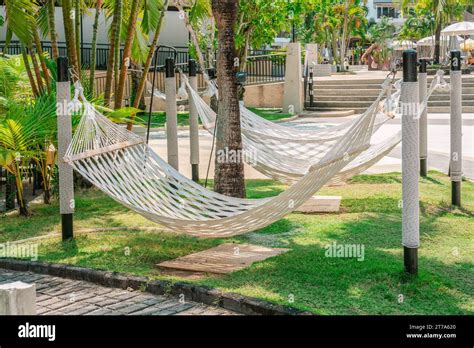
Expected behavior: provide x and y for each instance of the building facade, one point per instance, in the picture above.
(385, 8)
(173, 31)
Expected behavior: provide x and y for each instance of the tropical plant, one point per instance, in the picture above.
(444, 11)
(68, 21)
(259, 22)
(127, 50)
(148, 22)
(417, 26)
(52, 28)
(114, 31)
(200, 10)
(379, 34)
(93, 58)
(27, 130)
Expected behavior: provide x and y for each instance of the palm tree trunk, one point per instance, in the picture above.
(93, 59)
(193, 35)
(229, 170)
(69, 34)
(245, 51)
(22, 206)
(46, 180)
(111, 57)
(77, 30)
(127, 50)
(117, 48)
(10, 192)
(26, 61)
(44, 67)
(52, 28)
(437, 41)
(36, 69)
(136, 77)
(146, 68)
(344, 36)
(334, 47)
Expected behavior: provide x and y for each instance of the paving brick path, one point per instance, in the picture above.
(60, 296)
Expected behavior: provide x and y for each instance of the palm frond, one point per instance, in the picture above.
(20, 19)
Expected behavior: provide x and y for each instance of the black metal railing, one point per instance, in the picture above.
(102, 53)
(263, 65)
(265, 68)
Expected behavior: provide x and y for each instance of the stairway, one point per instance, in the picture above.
(359, 94)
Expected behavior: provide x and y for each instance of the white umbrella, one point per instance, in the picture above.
(402, 44)
(454, 44)
(430, 40)
(461, 28)
(425, 46)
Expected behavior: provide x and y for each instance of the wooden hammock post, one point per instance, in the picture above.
(456, 128)
(193, 123)
(171, 114)
(66, 180)
(410, 162)
(423, 85)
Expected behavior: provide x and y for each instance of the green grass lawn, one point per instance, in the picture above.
(304, 277)
(159, 118)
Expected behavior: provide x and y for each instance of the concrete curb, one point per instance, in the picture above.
(197, 293)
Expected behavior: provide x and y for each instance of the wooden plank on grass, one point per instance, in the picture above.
(321, 204)
(225, 258)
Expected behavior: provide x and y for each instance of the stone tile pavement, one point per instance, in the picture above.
(60, 296)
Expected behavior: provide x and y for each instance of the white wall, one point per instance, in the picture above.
(173, 32)
(372, 11)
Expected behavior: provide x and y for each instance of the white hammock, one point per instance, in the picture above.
(182, 93)
(120, 164)
(285, 153)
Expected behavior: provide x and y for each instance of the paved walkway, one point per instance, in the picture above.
(59, 296)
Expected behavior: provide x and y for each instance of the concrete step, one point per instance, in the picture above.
(369, 84)
(446, 96)
(468, 98)
(349, 86)
(361, 104)
(358, 110)
(446, 109)
(340, 110)
(342, 104)
(325, 113)
(335, 82)
(343, 98)
(349, 92)
(448, 103)
(468, 93)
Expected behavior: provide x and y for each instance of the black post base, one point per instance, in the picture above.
(456, 193)
(410, 258)
(66, 227)
(195, 172)
(423, 167)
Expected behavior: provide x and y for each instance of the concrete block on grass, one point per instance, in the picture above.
(17, 298)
